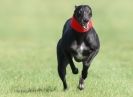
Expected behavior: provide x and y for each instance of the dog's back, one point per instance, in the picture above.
(66, 26)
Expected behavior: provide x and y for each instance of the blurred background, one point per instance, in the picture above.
(29, 32)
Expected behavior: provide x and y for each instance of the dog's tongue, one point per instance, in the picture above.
(77, 27)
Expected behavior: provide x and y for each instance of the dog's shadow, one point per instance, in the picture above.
(36, 90)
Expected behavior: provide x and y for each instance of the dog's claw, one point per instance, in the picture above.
(75, 71)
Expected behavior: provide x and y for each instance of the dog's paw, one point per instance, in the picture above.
(81, 86)
(65, 89)
(75, 71)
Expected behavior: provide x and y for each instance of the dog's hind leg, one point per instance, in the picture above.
(62, 64)
(62, 73)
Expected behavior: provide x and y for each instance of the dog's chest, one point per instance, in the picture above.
(78, 51)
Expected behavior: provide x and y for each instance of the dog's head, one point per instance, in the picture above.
(83, 14)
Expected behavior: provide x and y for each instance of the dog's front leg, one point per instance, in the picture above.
(86, 65)
(73, 67)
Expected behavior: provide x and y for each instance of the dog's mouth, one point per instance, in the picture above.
(85, 26)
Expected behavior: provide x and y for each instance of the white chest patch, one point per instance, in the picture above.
(79, 49)
(79, 52)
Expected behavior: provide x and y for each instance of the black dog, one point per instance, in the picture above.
(79, 41)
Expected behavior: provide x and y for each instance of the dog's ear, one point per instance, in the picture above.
(90, 12)
(76, 6)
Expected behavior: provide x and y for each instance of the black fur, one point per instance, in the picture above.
(83, 47)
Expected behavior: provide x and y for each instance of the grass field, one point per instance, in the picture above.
(29, 31)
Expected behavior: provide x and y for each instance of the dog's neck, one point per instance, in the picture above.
(77, 26)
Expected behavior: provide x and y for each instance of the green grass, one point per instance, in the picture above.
(29, 31)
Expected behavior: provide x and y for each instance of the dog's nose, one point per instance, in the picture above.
(85, 20)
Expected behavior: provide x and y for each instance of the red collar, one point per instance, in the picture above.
(77, 27)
